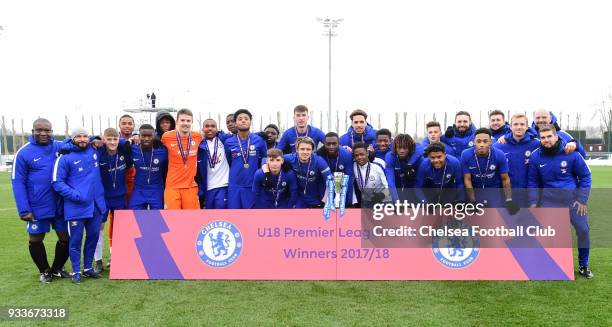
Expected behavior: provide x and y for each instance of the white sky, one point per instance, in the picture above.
(73, 57)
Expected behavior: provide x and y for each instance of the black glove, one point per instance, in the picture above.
(449, 132)
(268, 180)
(410, 171)
(512, 207)
(263, 135)
(378, 197)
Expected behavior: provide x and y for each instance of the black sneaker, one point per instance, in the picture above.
(90, 273)
(61, 273)
(586, 272)
(99, 266)
(46, 277)
(76, 278)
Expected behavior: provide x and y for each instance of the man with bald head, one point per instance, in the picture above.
(37, 202)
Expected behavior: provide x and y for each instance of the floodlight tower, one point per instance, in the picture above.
(329, 24)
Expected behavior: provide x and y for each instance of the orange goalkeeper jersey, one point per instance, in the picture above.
(181, 174)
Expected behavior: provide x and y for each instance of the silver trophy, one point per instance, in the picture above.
(338, 176)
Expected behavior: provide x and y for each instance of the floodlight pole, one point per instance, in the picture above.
(330, 24)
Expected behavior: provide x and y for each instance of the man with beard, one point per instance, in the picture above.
(181, 189)
(213, 169)
(460, 136)
(486, 169)
(517, 149)
(562, 180)
(37, 203)
(339, 160)
(244, 152)
(498, 124)
(360, 131)
(76, 177)
(301, 129)
(151, 163)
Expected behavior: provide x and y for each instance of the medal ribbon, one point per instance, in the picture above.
(212, 160)
(184, 157)
(245, 157)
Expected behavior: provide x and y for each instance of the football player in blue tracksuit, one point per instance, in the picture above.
(558, 179)
(433, 132)
(213, 168)
(311, 172)
(244, 152)
(115, 159)
(498, 125)
(275, 185)
(440, 175)
(401, 166)
(301, 129)
(164, 122)
(76, 177)
(383, 143)
(338, 160)
(270, 134)
(150, 159)
(460, 136)
(485, 169)
(360, 131)
(518, 148)
(37, 203)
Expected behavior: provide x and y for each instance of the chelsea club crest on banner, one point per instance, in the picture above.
(219, 244)
(456, 251)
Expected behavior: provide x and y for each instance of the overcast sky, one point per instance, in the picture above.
(73, 57)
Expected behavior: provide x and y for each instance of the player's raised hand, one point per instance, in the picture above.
(97, 143)
(570, 147)
(135, 139)
(371, 150)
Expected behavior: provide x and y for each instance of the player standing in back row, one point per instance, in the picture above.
(181, 189)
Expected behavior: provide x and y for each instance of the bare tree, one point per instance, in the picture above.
(605, 115)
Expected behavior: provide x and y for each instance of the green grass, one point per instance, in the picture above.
(178, 303)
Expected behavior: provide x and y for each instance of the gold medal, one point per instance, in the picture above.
(246, 165)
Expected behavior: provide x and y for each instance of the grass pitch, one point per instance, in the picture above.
(180, 303)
